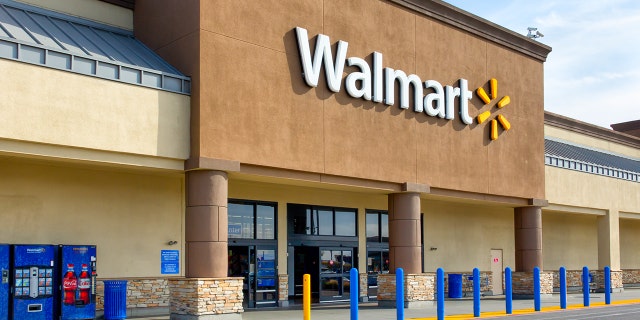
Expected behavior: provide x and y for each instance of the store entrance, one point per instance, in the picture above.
(335, 267)
(329, 270)
(257, 265)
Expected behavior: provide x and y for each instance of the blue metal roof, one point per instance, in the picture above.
(572, 152)
(50, 39)
(573, 157)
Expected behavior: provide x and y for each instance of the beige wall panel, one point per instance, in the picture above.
(160, 23)
(573, 188)
(89, 9)
(515, 167)
(253, 112)
(130, 217)
(569, 240)
(363, 139)
(629, 244)
(103, 115)
(256, 108)
(369, 141)
(268, 23)
(304, 195)
(591, 142)
(464, 236)
(447, 55)
(370, 26)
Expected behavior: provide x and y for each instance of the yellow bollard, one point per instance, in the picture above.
(306, 297)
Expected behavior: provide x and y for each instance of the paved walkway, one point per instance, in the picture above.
(454, 309)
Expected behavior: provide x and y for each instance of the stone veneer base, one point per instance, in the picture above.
(419, 290)
(206, 298)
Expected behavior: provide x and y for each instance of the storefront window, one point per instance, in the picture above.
(322, 221)
(251, 220)
(372, 227)
(345, 223)
(240, 221)
(266, 222)
(325, 222)
(377, 226)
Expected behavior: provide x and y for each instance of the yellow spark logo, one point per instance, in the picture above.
(493, 86)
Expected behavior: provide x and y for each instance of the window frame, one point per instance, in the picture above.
(255, 204)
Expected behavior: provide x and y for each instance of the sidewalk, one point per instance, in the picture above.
(492, 306)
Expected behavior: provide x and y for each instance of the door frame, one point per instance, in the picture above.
(497, 266)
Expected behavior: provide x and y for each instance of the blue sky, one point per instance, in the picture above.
(593, 72)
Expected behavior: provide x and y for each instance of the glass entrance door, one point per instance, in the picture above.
(266, 294)
(335, 265)
(257, 265)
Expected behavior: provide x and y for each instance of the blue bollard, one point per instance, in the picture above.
(399, 294)
(440, 293)
(563, 288)
(585, 286)
(508, 290)
(536, 288)
(354, 293)
(476, 292)
(607, 285)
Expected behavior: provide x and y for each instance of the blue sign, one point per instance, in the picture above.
(235, 229)
(170, 261)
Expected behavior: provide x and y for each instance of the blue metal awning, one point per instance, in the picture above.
(51, 39)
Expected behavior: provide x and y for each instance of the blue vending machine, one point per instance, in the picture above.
(5, 285)
(78, 276)
(33, 282)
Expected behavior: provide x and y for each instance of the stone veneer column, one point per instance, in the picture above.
(206, 224)
(404, 233)
(207, 292)
(528, 237)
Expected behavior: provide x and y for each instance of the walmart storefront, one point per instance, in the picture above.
(368, 134)
(275, 139)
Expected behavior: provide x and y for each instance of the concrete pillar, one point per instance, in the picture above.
(206, 224)
(609, 240)
(528, 237)
(404, 232)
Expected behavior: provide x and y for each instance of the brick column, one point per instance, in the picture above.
(528, 237)
(404, 232)
(206, 224)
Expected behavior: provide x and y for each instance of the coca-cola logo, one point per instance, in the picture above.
(69, 283)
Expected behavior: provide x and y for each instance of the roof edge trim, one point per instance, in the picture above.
(478, 26)
(570, 124)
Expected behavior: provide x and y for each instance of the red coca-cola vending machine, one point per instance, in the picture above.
(78, 281)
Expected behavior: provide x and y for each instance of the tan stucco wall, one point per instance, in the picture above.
(629, 244)
(89, 9)
(255, 108)
(569, 240)
(129, 215)
(47, 106)
(464, 235)
(580, 189)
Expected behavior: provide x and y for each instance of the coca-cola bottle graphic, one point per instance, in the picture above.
(84, 285)
(69, 285)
